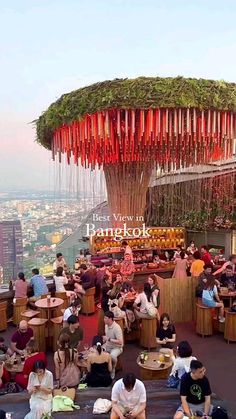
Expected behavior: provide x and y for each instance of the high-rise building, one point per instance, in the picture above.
(11, 248)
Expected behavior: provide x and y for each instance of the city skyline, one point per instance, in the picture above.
(85, 42)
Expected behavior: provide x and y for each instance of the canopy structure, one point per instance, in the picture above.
(128, 127)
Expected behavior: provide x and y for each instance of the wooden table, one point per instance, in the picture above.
(49, 305)
(229, 296)
(151, 369)
(14, 369)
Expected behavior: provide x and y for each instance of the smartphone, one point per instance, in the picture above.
(162, 366)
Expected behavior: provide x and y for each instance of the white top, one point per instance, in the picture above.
(113, 332)
(142, 298)
(57, 264)
(47, 382)
(60, 281)
(129, 399)
(209, 294)
(181, 365)
(67, 313)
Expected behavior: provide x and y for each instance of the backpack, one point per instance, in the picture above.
(70, 376)
(219, 413)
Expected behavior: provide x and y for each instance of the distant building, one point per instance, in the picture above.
(11, 248)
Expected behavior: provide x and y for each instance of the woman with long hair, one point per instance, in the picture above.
(64, 355)
(144, 307)
(210, 297)
(166, 334)
(60, 280)
(21, 286)
(181, 264)
(32, 355)
(99, 365)
(182, 361)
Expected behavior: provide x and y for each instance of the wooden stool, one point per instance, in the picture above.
(88, 303)
(19, 306)
(38, 325)
(204, 320)
(65, 304)
(55, 331)
(230, 326)
(148, 333)
(3, 316)
(29, 314)
(101, 325)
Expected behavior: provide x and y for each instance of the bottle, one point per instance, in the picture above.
(10, 285)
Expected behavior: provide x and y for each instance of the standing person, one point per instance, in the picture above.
(99, 365)
(61, 280)
(177, 252)
(40, 388)
(181, 265)
(153, 282)
(144, 307)
(127, 267)
(127, 249)
(210, 298)
(192, 248)
(33, 355)
(197, 266)
(231, 262)
(128, 398)
(166, 334)
(21, 338)
(195, 393)
(113, 339)
(21, 286)
(38, 284)
(60, 262)
(74, 331)
(206, 257)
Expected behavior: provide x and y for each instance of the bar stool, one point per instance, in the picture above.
(65, 304)
(230, 326)
(101, 325)
(29, 314)
(88, 302)
(204, 320)
(55, 330)
(3, 316)
(38, 326)
(148, 333)
(19, 306)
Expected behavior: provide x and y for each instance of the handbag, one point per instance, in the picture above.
(65, 391)
(219, 412)
(101, 406)
(151, 309)
(70, 376)
(173, 381)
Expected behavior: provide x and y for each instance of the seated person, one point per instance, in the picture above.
(144, 304)
(40, 389)
(128, 398)
(182, 361)
(61, 280)
(210, 298)
(32, 355)
(87, 277)
(60, 262)
(21, 286)
(166, 335)
(38, 284)
(21, 338)
(202, 279)
(228, 278)
(63, 356)
(74, 331)
(4, 375)
(195, 392)
(73, 309)
(113, 339)
(3, 347)
(99, 365)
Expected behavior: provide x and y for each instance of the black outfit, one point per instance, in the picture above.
(99, 375)
(88, 280)
(105, 297)
(194, 390)
(155, 287)
(162, 334)
(227, 280)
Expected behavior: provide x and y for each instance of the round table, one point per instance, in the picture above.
(49, 305)
(151, 369)
(14, 369)
(229, 296)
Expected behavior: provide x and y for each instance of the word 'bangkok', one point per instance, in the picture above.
(117, 233)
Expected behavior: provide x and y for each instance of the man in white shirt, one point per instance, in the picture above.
(113, 339)
(128, 398)
(60, 262)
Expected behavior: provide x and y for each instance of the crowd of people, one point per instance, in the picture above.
(128, 394)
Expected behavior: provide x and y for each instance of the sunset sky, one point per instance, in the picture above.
(49, 47)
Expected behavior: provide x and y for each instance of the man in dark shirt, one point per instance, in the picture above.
(21, 337)
(195, 393)
(87, 277)
(228, 279)
(74, 331)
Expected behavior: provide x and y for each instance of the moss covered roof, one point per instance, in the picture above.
(139, 93)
